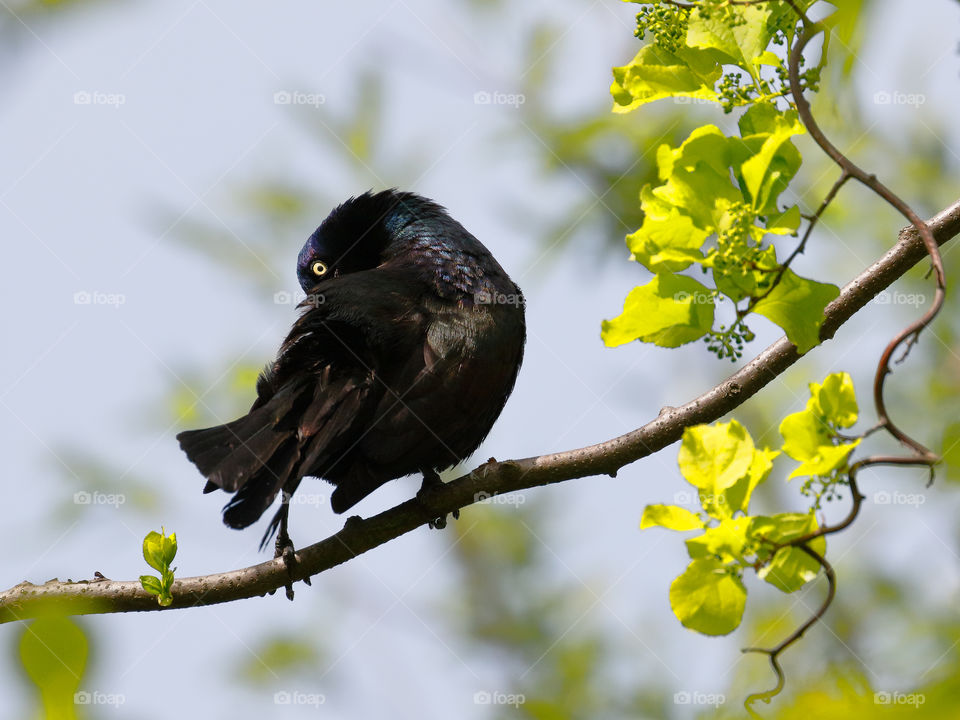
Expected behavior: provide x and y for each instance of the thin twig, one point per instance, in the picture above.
(828, 198)
(774, 652)
(910, 334)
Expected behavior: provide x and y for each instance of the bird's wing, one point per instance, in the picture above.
(312, 402)
(465, 358)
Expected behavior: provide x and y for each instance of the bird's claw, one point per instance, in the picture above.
(441, 522)
(431, 483)
(285, 551)
(354, 522)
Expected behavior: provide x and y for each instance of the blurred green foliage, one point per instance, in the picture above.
(53, 652)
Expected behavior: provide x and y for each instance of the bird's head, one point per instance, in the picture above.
(359, 234)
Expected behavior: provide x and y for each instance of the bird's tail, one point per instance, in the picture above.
(254, 456)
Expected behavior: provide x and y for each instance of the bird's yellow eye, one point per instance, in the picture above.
(319, 268)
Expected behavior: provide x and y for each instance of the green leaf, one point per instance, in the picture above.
(667, 244)
(725, 541)
(737, 496)
(790, 568)
(714, 457)
(951, 450)
(847, 26)
(670, 517)
(668, 311)
(741, 33)
(796, 305)
(152, 552)
(836, 400)
(54, 652)
(784, 223)
(705, 145)
(151, 584)
(697, 179)
(768, 58)
(708, 598)
(159, 550)
(804, 433)
(827, 459)
(655, 73)
(809, 439)
(765, 160)
(738, 282)
(768, 172)
(785, 527)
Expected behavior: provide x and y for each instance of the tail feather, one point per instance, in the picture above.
(248, 461)
(253, 456)
(262, 487)
(208, 447)
(352, 490)
(304, 428)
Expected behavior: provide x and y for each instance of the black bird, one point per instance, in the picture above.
(408, 346)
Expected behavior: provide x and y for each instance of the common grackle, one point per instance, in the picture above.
(408, 345)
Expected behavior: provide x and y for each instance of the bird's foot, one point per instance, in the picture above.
(354, 522)
(441, 522)
(431, 483)
(284, 549)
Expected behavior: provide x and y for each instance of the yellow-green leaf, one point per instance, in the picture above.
(790, 568)
(668, 311)
(827, 459)
(671, 517)
(740, 32)
(737, 496)
(796, 305)
(767, 173)
(725, 541)
(667, 244)
(655, 73)
(708, 598)
(54, 651)
(836, 400)
(714, 457)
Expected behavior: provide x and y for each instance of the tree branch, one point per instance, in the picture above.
(27, 600)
